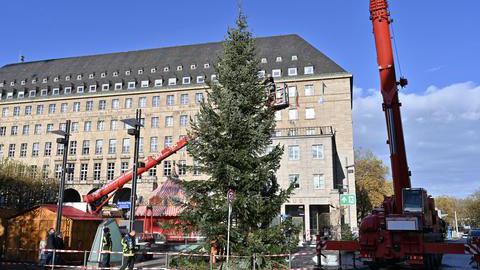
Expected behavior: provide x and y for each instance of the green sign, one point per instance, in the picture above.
(347, 199)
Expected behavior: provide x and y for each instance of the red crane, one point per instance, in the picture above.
(406, 228)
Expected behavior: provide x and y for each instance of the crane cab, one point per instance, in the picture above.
(414, 200)
(277, 97)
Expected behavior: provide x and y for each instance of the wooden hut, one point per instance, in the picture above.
(27, 229)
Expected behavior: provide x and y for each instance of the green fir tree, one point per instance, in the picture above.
(232, 133)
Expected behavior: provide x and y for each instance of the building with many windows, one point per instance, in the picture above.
(96, 92)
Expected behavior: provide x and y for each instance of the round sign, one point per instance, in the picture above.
(230, 195)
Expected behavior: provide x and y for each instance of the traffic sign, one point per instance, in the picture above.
(347, 199)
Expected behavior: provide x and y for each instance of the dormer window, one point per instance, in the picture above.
(131, 85)
(276, 73)
(278, 59)
(32, 93)
(294, 58)
(263, 60)
(105, 87)
(261, 73)
(308, 70)
(80, 89)
(90, 76)
(200, 79)
(22, 82)
(140, 71)
(56, 91)
(44, 80)
(55, 79)
(34, 81)
(67, 90)
(118, 86)
(158, 82)
(1, 84)
(127, 72)
(115, 74)
(172, 81)
(12, 83)
(67, 78)
(144, 84)
(186, 80)
(9, 95)
(206, 65)
(43, 92)
(103, 75)
(193, 66)
(92, 88)
(292, 71)
(21, 94)
(79, 77)
(153, 70)
(166, 69)
(179, 68)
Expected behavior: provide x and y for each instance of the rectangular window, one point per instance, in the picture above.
(100, 125)
(43, 92)
(113, 125)
(196, 167)
(144, 84)
(71, 171)
(184, 99)
(16, 111)
(142, 102)
(292, 71)
(115, 103)
(14, 130)
(80, 89)
(170, 100)
(38, 129)
(74, 127)
(35, 149)
(292, 114)
(140, 145)
(73, 148)
(200, 79)
(23, 149)
(28, 110)
(92, 88)
(67, 90)
(182, 167)
(294, 180)
(98, 147)
(63, 107)
(118, 86)
(309, 113)
(60, 149)
(49, 128)
(198, 98)
(293, 152)
(172, 81)
(156, 101)
(48, 149)
(153, 144)
(97, 170)
(39, 109)
(276, 73)
(76, 106)
(123, 167)
(292, 91)
(26, 129)
(112, 146)
(169, 121)
(45, 171)
(318, 181)
(102, 105)
(3, 131)
(83, 171)
(167, 168)
(152, 171)
(168, 141)
(5, 111)
(309, 90)
(11, 150)
(32, 93)
(58, 171)
(89, 106)
(87, 126)
(308, 70)
(183, 120)
(158, 82)
(51, 108)
(317, 151)
(126, 145)
(155, 122)
(186, 80)
(105, 87)
(131, 85)
(110, 170)
(86, 147)
(128, 103)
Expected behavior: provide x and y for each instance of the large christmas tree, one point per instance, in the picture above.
(232, 133)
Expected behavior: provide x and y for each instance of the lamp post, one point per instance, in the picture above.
(63, 141)
(135, 131)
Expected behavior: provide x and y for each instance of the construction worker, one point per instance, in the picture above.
(106, 246)
(128, 250)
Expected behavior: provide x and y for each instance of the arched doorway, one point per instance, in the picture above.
(71, 195)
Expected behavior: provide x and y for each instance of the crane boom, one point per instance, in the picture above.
(380, 18)
(127, 176)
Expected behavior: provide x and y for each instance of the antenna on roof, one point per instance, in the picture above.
(21, 57)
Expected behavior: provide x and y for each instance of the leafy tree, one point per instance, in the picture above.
(232, 132)
(370, 182)
(448, 205)
(22, 188)
(471, 210)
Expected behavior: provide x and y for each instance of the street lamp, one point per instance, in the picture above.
(63, 141)
(135, 131)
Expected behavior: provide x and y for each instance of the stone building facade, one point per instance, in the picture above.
(167, 84)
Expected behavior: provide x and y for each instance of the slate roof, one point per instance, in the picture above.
(270, 48)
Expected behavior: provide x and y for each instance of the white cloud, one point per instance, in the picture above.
(441, 126)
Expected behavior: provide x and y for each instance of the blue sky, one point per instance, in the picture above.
(438, 44)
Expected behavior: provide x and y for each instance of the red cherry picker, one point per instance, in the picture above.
(406, 228)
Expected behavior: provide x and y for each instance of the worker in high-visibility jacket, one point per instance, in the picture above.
(128, 250)
(106, 247)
